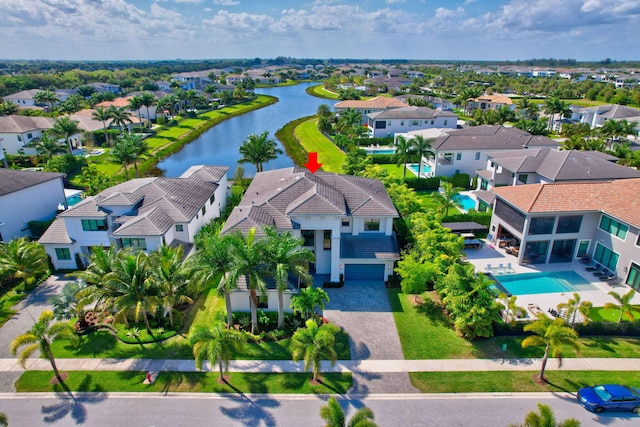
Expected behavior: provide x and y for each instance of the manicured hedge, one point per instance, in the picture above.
(365, 142)
(483, 218)
(592, 329)
(423, 183)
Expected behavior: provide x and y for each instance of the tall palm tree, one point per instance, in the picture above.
(119, 116)
(139, 148)
(421, 147)
(333, 414)
(403, 150)
(624, 304)
(574, 306)
(259, 149)
(511, 309)
(65, 127)
(286, 257)
(48, 97)
(313, 344)
(447, 198)
(148, 100)
(124, 151)
(7, 108)
(248, 262)
(553, 106)
(22, 260)
(135, 103)
(104, 115)
(130, 288)
(48, 146)
(211, 262)
(170, 276)
(307, 300)
(553, 334)
(214, 343)
(527, 109)
(40, 336)
(169, 102)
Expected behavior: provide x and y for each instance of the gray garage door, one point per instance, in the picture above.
(364, 272)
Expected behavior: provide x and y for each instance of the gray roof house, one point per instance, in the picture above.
(597, 115)
(406, 119)
(27, 196)
(547, 165)
(345, 220)
(142, 213)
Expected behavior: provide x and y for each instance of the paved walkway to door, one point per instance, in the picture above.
(362, 309)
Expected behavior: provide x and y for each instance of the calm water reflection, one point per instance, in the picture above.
(219, 145)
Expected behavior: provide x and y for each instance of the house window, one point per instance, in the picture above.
(542, 225)
(523, 178)
(432, 121)
(179, 227)
(569, 224)
(415, 122)
(445, 122)
(326, 240)
(263, 301)
(19, 137)
(381, 125)
(135, 243)
(582, 248)
(29, 136)
(94, 225)
(606, 257)
(633, 279)
(477, 155)
(212, 199)
(63, 253)
(388, 122)
(401, 122)
(346, 222)
(458, 156)
(372, 225)
(448, 157)
(308, 237)
(204, 210)
(613, 227)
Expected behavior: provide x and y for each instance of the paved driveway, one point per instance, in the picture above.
(362, 309)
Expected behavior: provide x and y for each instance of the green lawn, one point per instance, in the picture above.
(320, 92)
(425, 333)
(395, 171)
(312, 140)
(194, 382)
(516, 381)
(601, 314)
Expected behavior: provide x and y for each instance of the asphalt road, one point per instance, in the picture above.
(409, 410)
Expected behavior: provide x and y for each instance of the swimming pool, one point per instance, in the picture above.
(467, 202)
(415, 166)
(75, 199)
(380, 151)
(543, 283)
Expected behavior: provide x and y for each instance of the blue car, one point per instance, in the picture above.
(610, 397)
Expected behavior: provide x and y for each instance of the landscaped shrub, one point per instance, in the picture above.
(416, 183)
(37, 228)
(66, 164)
(365, 142)
(460, 180)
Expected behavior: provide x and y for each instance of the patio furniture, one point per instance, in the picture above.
(501, 269)
(509, 268)
(489, 268)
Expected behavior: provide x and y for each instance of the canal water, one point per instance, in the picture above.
(219, 145)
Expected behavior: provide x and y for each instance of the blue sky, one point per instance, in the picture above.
(377, 29)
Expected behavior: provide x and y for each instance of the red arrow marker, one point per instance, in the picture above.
(313, 164)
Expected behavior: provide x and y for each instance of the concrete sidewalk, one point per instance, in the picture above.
(354, 366)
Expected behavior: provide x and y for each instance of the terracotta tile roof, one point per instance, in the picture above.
(616, 198)
(118, 102)
(16, 180)
(496, 99)
(373, 103)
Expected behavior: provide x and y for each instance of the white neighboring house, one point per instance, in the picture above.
(368, 106)
(27, 196)
(25, 99)
(401, 120)
(346, 221)
(596, 116)
(142, 213)
(17, 132)
(465, 150)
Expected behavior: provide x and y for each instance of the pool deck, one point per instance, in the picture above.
(495, 256)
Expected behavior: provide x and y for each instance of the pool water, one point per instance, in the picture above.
(544, 283)
(74, 200)
(380, 151)
(467, 202)
(415, 166)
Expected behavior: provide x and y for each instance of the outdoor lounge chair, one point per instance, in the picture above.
(593, 267)
(607, 277)
(489, 268)
(509, 267)
(599, 273)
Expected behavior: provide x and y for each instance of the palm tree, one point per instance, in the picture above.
(575, 306)
(46, 97)
(124, 151)
(333, 414)
(421, 147)
(258, 149)
(624, 304)
(313, 344)
(248, 262)
(545, 418)
(168, 102)
(553, 106)
(119, 116)
(148, 100)
(214, 343)
(286, 256)
(7, 108)
(511, 309)
(170, 275)
(403, 150)
(40, 336)
(23, 260)
(138, 148)
(527, 109)
(65, 127)
(130, 287)
(447, 198)
(553, 334)
(135, 103)
(48, 146)
(211, 262)
(307, 300)
(103, 114)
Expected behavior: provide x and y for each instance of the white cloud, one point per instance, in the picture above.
(394, 1)
(226, 2)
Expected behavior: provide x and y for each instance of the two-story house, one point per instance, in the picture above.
(17, 132)
(407, 119)
(597, 115)
(27, 196)
(563, 222)
(369, 106)
(489, 102)
(346, 221)
(142, 213)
